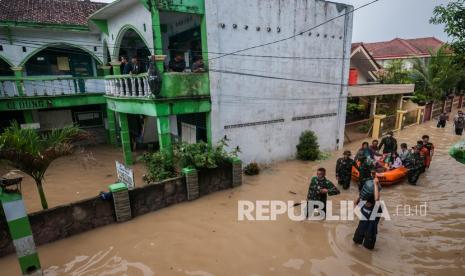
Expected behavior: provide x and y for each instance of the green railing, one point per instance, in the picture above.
(174, 85)
(50, 86)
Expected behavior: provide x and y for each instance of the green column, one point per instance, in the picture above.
(209, 128)
(28, 117)
(116, 67)
(164, 133)
(18, 71)
(20, 232)
(156, 32)
(111, 127)
(106, 70)
(125, 139)
(203, 36)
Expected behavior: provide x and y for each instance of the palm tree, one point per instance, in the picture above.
(32, 153)
(436, 76)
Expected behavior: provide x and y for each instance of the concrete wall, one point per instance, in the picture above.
(257, 113)
(36, 39)
(71, 219)
(135, 16)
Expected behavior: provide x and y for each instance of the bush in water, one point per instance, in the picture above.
(252, 169)
(308, 148)
(160, 166)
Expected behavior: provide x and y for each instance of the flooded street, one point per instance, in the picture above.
(205, 238)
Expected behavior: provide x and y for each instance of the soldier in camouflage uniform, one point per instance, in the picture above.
(319, 189)
(364, 169)
(416, 165)
(344, 170)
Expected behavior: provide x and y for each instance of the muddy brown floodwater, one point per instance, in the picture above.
(204, 237)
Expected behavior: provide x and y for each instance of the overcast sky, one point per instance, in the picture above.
(388, 19)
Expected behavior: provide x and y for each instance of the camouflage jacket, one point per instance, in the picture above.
(316, 185)
(344, 167)
(365, 170)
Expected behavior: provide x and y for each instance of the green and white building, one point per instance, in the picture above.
(60, 64)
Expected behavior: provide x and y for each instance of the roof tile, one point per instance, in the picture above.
(68, 12)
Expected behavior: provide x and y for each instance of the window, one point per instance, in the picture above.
(88, 118)
(1, 48)
(24, 49)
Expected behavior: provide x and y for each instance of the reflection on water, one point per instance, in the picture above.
(102, 263)
(203, 237)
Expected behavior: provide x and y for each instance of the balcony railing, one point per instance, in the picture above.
(50, 86)
(174, 85)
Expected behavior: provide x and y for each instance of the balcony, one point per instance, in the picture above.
(50, 86)
(376, 89)
(174, 86)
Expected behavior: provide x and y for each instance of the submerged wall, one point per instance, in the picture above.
(81, 216)
(265, 97)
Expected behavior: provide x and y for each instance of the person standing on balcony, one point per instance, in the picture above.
(198, 66)
(177, 64)
(135, 67)
(125, 66)
(155, 78)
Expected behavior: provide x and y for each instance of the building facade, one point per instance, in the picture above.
(293, 78)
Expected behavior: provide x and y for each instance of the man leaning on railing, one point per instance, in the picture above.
(155, 78)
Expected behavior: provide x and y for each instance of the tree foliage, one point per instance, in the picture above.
(160, 166)
(32, 153)
(437, 76)
(452, 16)
(395, 73)
(203, 155)
(308, 148)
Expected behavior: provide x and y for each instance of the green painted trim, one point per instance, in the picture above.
(236, 160)
(209, 128)
(184, 6)
(101, 24)
(23, 62)
(19, 228)
(46, 102)
(187, 171)
(111, 127)
(29, 261)
(117, 187)
(28, 118)
(9, 197)
(164, 133)
(144, 3)
(68, 27)
(157, 36)
(203, 37)
(125, 139)
(120, 36)
(153, 107)
(18, 81)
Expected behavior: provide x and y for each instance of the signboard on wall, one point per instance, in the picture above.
(63, 63)
(125, 175)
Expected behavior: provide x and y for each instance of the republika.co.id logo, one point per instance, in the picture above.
(269, 210)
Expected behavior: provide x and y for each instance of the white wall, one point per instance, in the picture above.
(34, 39)
(136, 15)
(239, 99)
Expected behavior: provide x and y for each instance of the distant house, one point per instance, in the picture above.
(406, 49)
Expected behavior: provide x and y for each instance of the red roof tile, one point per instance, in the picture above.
(67, 12)
(399, 48)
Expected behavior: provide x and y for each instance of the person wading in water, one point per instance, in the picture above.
(388, 143)
(344, 170)
(367, 229)
(319, 190)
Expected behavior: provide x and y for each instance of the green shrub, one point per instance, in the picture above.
(252, 169)
(160, 166)
(364, 128)
(308, 148)
(202, 155)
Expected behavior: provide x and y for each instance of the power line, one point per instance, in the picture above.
(295, 35)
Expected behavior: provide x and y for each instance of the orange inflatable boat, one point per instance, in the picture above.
(386, 178)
